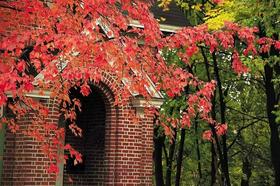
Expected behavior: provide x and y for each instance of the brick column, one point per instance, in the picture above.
(24, 163)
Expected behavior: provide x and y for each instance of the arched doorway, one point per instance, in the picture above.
(92, 144)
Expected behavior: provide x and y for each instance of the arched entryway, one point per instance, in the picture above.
(117, 148)
(92, 121)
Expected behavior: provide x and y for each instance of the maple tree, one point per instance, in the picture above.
(55, 46)
(264, 70)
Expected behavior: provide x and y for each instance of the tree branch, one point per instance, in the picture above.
(243, 113)
(10, 7)
(239, 133)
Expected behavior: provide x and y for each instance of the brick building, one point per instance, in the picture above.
(116, 150)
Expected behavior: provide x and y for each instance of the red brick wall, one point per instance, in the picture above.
(130, 144)
(147, 149)
(24, 163)
(126, 152)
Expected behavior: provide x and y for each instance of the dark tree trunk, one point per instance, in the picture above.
(158, 146)
(247, 172)
(181, 150)
(274, 133)
(198, 152)
(170, 159)
(271, 102)
(224, 160)
(214, 159)
(180, 157)
(213, 164)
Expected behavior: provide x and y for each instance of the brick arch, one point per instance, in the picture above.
(108, 168)
(111, 128)
(123, 139)
(128, 145)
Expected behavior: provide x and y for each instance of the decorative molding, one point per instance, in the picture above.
(143, 103)
(34, 94)
(1, 111)
(140, 104)
(162, 27)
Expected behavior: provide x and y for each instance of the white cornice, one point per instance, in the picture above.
(34, 94)
(140, 103)
(1, 111)
(163, 27)
(143, 103)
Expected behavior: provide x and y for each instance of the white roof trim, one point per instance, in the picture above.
(1, 111)
(109, 33)
(126, 82)
(34, 94)
(163, 27)
(61, 64)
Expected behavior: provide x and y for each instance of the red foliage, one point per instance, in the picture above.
(207, 135)
(186, 120)
(71, 44)
(237, 65)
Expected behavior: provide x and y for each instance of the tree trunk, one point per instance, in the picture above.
(170, 159)
(158, 146)
(180, 157)
(246, 169)
(214, 158)
(224, 160)
(198, 152)
(213, 164)
(274, 133)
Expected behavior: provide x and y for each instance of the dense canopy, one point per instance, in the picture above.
(53, 46)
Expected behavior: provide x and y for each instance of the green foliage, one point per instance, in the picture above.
(195, 11)
(277, 113)
(216, 17)
(171, 57)
(247, 12)
(249, 133)
(246, 118)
